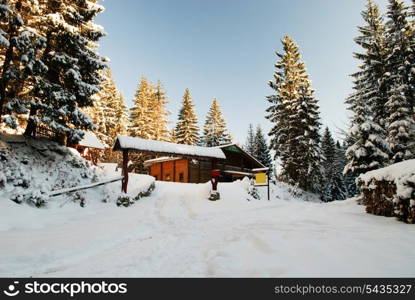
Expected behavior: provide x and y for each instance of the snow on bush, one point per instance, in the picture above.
(31, 168)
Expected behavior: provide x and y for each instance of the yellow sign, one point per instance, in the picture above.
(261, 179)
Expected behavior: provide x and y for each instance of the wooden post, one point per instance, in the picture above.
(124, 170)
(268, 185)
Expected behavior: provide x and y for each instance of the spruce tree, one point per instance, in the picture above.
(294, 113)
(333, 183)
(109, 112)
(141, 113)
(369, 150)
(261, 149)
(73, 66)
(159, 115)
(371, 79)
(342, 192)
(250, 140)
(21, 46)
(349, 177)
(214, 130)
(401, 88)
(117, 112)
(187, 130)
(173, 135)
(305, 122)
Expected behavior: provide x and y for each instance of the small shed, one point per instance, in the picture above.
(90, 147)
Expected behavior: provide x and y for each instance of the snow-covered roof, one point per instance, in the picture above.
(160, 159)
(240, 148)
(132, 143)
(90, 140)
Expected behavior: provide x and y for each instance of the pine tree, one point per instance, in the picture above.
(305, 122)
(401, 88)
(109, 112)
(370, 80)
(340, 161)
(294, 113)
(214, 130)
(141, 113)
(20, 62)
(173, 135)
(333, 183)
(349, 177)
(73, 68)
(187, 130)
(159, 115)
(117, 112)
(369, 150)
(250, 140)
(261, 149)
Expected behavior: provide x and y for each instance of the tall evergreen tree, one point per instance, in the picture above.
(117, 111)
(250, 140)
(340, 161)
(261, 149)
(214, 130)
(21, 45)
(109, 112)
(73, 66)
(294, 113)
(371, 80)
(173, 135)
(369, 150)
(350, 178)
(306, 143)
(401, 87)
(187, 130)
(141, 113)
(159, 115)
(333, 183)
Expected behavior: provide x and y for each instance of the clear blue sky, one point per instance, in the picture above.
(226, 49)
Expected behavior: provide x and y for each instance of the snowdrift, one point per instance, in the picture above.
(177, 232)
(32, 168)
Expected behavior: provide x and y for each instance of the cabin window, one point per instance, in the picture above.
(167, 177)
(181, 177)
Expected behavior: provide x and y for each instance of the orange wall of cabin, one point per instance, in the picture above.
(174, 171)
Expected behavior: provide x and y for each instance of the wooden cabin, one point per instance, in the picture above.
(236, 165)
(184, 163)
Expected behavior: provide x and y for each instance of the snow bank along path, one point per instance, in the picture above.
(177, 232)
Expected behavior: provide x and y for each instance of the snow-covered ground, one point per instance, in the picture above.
(177, 232)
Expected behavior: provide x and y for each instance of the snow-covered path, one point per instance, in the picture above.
(176, 232)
